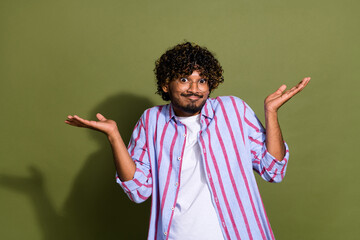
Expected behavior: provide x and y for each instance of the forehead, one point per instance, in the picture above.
(194, 74)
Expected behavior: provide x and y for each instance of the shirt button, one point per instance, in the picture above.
(184, 135)
(179, 158)
(165, 233)
(176, 184)
(172, 209)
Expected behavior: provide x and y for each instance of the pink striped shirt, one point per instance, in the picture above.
(233, 145)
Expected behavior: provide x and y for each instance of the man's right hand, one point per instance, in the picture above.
(124, 164)
(104, 125)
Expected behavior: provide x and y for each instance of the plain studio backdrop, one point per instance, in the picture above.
(83, 57)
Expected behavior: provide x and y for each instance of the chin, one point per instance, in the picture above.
(193, 108)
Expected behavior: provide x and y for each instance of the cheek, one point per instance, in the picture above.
(206, 93)
(175, 90)
(206, 90)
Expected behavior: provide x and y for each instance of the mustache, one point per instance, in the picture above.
(191, 94)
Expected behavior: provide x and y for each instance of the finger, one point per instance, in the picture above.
(281, 89)
(301, 84)
(307, 80)
(289, 94)
(75, 123)
(298, 88)
(100, 117)
(293, 88)
(74, 118)
(278, 92)
(69, 118)
(78, 118)
(83, 122)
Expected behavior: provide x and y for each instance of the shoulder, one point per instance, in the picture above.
(153, 111)
(227, 101)
(151, 115)
(231, 106)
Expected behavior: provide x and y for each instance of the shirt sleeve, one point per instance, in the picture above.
(139, 188)
(269, 168)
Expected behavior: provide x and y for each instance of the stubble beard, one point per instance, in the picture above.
(190, 108)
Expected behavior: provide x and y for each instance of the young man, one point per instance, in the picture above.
(196, 155)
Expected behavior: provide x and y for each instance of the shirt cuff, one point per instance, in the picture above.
(270, 160)
(138, 180)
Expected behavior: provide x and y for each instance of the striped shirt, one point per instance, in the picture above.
(232, 142)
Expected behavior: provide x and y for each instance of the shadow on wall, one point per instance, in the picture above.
(96, 208)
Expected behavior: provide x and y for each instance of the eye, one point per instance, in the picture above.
(202, 81)
(183, 80)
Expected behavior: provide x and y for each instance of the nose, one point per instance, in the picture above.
(193, 87)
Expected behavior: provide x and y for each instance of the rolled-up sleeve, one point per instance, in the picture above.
(269, 168)
(139, 188)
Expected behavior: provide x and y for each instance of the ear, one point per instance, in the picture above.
(165, 88)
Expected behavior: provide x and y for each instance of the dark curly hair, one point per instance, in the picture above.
(181, 61)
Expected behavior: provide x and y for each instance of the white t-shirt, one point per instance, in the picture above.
(194, 215)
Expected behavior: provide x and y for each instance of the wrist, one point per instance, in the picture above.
(113, 136)
(271, 119)
(271, 113)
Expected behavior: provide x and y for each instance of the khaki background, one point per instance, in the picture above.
(83, 57)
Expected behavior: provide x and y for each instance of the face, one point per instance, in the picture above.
(188, 94)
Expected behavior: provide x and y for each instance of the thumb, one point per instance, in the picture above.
(281, 89)
(100, 117)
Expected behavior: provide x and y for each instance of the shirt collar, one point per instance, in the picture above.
(206, 111)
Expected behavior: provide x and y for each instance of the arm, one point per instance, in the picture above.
(274, 140)
(268, 151)
(133, 170)
(124, 164)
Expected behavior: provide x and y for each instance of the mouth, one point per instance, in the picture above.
(192, 97)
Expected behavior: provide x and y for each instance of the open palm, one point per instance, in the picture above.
(104, 125)
(275, 100)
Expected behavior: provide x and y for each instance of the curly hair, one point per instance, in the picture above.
(181, 61)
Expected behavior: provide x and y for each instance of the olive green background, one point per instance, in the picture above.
(83, 57)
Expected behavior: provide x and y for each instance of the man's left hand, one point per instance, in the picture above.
(275, 100)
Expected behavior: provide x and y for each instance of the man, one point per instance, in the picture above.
(196, 155)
